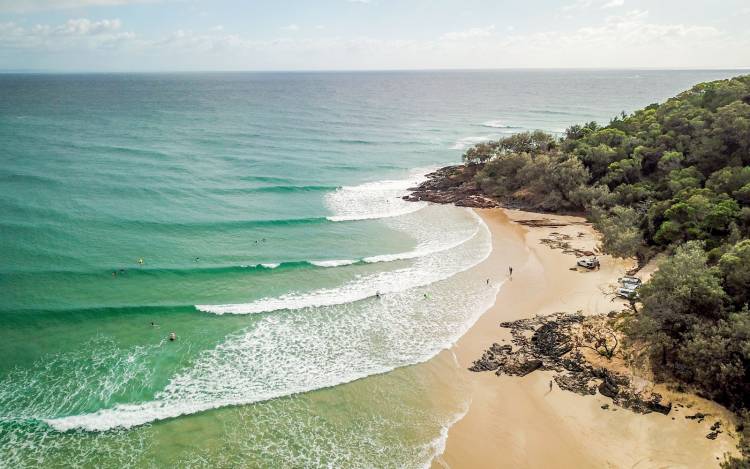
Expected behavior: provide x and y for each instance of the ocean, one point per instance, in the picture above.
(258, 217)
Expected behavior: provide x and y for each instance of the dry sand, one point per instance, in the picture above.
(517, 422)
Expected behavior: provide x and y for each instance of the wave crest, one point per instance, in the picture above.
(372, 200)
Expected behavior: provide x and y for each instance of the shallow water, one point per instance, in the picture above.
(266, 209)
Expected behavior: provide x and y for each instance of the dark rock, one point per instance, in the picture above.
(655, 405)
(605, 406)
(452, 185)
(698, 416)
(715, 426)
(529, 366)
(713, 435)
(609, 389)
(547, 343)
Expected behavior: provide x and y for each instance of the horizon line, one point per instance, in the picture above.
(363, 70)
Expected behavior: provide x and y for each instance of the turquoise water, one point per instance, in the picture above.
(266, 210)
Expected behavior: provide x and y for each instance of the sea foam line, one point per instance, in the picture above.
(232, 373)
(264, 361)
(498, 124)
(355, 290)
(373, 200)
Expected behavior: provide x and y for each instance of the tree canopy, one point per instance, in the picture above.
(671, 177)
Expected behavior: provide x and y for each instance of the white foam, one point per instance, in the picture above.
(270, 265)
(333, 263)
(283, 354)
(430, 267)
(423, 250)
(466, 142)
(497, 124)
(437, 446)
(372, 200)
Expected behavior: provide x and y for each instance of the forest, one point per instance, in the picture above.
(671, 178)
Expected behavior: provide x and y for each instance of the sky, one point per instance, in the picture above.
(175, 35)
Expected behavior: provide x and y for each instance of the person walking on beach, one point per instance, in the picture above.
(510, 271)
(550, 385)
(488, 281)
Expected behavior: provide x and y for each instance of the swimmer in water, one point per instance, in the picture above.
(140, 261)
(172, 336)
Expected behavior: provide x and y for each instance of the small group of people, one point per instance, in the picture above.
(172, 336)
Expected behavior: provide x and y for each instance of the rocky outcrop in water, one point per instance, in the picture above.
(452, 185)
(549, 343)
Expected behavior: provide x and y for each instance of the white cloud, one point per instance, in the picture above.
(631, 39)
(290, 27)
(577, 5)
(359, 1)
(74, 32)
(25, 6)
(472, 33)
(86, 27)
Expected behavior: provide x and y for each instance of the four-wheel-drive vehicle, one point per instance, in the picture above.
(588, 262)
(628, 292)
(630, 281)
(629, 287)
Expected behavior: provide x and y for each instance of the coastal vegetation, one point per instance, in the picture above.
(674, 178)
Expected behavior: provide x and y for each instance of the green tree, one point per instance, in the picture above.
(621, 233)
(682, 293)
(735, 268)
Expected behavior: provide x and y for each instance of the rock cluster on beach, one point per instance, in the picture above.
(452, 185)
(548, 343)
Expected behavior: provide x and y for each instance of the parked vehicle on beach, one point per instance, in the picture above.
(629, 287)
(588, 262)
(628, 292)
(630, 281)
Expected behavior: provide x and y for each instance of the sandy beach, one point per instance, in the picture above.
(519, 422)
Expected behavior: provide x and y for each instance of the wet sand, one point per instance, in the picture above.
(518, 422)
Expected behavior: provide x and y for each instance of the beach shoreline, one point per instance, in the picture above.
(519, 421)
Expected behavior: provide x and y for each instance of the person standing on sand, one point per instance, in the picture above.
(550, 385)
(510, 271)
